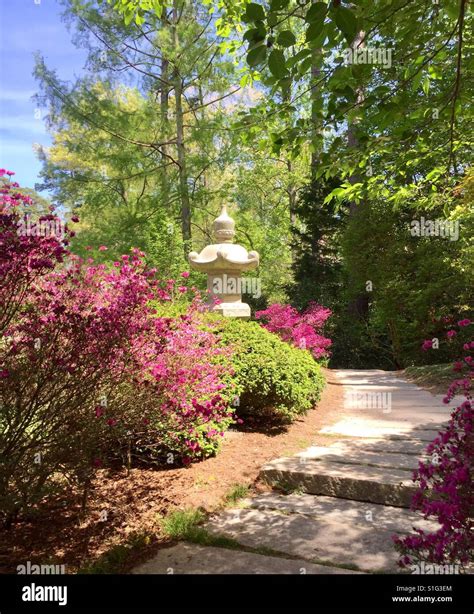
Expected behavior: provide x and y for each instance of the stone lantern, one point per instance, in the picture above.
(224, 262)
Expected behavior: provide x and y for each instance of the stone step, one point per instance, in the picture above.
(318, 540)
(426, 435)
(382, 485)
(343, 453)
(185, 558)
(385, 428)
(389, 446)
(343, 511)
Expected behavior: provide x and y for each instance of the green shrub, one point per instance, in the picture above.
(274, 380)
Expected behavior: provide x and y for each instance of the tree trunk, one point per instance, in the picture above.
(352, 139)
(181, 151)
(291, 190)
(316, 100)
(316, 105)
(164, 107)
(359, 307)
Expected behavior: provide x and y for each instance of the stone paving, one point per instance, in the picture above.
(346, 499)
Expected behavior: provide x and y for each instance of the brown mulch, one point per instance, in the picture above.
(133, 503)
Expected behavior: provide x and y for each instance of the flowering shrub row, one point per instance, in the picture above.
(89, 370)
(445, 481)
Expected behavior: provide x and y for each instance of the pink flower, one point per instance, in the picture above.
(427, 345)
(182, 289)
(464, 322)
(74, 218)
(111, 422)
(451, 333)
(302, 330)
(185, 274)
(103, 248)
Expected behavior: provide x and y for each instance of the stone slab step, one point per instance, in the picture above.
(426, 435)
(381, 429)
(366, 548)
(344, 511)
(343, 453)
(382, 485)
(185, 558)
(388, 446)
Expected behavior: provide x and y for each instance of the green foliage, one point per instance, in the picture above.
(133, 10)
(394, 287)
(274, 381)
(316, 238)
(254, 12)
(408, 109)
(384, 285)
(346, 22)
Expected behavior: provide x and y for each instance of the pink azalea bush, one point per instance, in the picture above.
(23, 258)
(179, 404)
(445, 482)
(89, 369)
(302, 330)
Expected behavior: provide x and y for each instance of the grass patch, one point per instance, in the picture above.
(184, 525)
(288, 489)
(325, 563)
(238, 491)
(117, 558)
(202, 537)
(180, 524)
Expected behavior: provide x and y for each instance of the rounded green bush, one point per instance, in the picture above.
(273, 379)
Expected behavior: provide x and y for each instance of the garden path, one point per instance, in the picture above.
(343, 501)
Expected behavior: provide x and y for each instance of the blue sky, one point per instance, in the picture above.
(27, 26)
